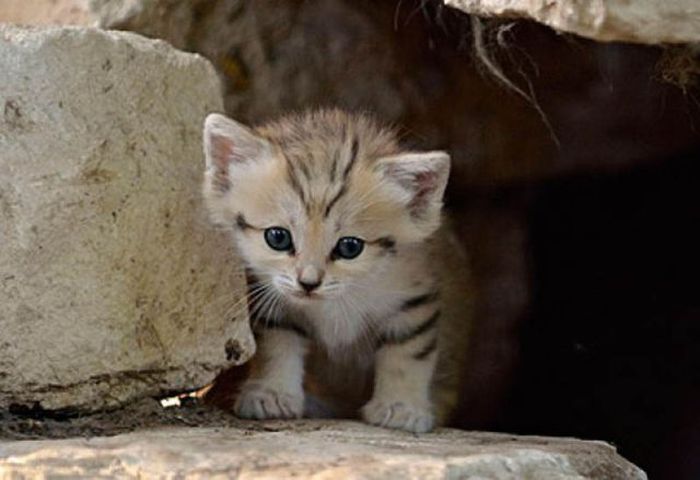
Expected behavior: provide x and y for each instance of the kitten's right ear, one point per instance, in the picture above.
(228, 144)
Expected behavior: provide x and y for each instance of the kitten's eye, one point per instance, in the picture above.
(279, 238)
(348, 247)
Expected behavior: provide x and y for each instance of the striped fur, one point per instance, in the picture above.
(395, 313)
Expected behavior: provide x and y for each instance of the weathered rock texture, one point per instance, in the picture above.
(112, 285)
(165, 19)
(318, 449)
(642, 21)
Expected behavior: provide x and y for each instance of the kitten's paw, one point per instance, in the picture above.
(259, 402)
(398, 414)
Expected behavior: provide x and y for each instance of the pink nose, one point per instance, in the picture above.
(310, 278)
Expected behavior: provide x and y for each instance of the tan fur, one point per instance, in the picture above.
(325, 175)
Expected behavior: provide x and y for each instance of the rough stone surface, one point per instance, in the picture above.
(318, 450)
(641, 21)
(112, 284)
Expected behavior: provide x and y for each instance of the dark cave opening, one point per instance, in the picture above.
(610, 347)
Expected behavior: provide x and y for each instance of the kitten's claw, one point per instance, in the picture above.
(400, 415)
(260, 403)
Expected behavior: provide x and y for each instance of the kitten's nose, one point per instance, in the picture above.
(309, 287)
(310, 278)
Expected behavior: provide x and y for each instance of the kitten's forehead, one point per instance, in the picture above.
(315, 140)
(325, 155)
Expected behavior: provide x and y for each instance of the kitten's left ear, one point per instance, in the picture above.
(228, 145)
(421, 178)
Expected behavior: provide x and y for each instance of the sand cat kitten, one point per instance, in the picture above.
(360, 293)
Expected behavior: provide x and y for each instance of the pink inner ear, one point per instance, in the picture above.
(424, 184)
(221, 153)
(421, 184)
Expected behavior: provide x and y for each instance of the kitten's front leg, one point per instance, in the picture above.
(275, 388)
(404, 369)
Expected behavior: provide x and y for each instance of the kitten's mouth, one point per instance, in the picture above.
(311, 296)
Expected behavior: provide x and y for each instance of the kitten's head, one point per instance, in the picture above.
(321, 202)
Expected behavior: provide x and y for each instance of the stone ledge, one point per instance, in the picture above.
(322, 449)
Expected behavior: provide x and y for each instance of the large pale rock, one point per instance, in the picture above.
(316, 450)
(112, 285)
(169, 20)
(641, 21)
(46, 12)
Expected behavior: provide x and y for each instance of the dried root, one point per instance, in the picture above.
(680, 66)
(493, 68)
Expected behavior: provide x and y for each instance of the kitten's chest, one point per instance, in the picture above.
(344, 327)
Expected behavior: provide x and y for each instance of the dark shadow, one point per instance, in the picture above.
(611, 348)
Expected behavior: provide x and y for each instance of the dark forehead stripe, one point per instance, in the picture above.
(353, 156)
(334, 165)
(335, 199)
(344, 186)
(294, 182)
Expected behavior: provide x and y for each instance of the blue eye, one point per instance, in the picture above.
(279, 238)
(348, 247)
